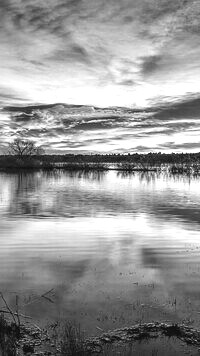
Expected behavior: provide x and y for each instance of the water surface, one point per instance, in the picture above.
(113, 249)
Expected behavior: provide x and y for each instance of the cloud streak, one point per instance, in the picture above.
(139, 54)
(67, 128)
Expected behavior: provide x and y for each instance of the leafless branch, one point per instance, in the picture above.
(7, 306)
(22, 315)
(20, 147)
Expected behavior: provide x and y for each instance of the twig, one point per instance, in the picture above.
(49, 291)
(37, 327)
(97, 327)
(7, 306)
(49, 299)
(22, 315)
(31, 301)
(44, 295)
(17, 309)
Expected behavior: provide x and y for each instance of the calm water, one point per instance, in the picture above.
(115, 249)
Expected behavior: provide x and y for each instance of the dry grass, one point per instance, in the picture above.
(72, 343)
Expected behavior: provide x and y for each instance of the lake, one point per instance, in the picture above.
(109, 249)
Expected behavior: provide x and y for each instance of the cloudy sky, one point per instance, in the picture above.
(123, 74)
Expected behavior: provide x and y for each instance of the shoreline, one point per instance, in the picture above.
(30, 339)
(167, 170)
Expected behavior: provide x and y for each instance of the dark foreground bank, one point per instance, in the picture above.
(28, 339)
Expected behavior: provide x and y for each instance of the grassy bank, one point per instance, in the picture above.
(69, 340)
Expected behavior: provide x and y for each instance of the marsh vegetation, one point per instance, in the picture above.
(174, 163)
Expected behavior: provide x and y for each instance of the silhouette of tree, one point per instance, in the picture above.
(20, 147)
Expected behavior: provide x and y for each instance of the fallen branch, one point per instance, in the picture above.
(22, 315)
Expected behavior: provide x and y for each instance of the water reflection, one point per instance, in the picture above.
(114, 247)
(68, 194)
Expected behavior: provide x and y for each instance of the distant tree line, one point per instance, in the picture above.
(148, 158)
(153, 159)
(26, 154)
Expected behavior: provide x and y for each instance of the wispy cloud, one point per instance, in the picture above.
(134, 53)
(69, 128)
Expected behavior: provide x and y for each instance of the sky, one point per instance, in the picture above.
(101, 75)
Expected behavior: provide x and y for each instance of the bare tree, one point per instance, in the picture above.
(20, 147)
